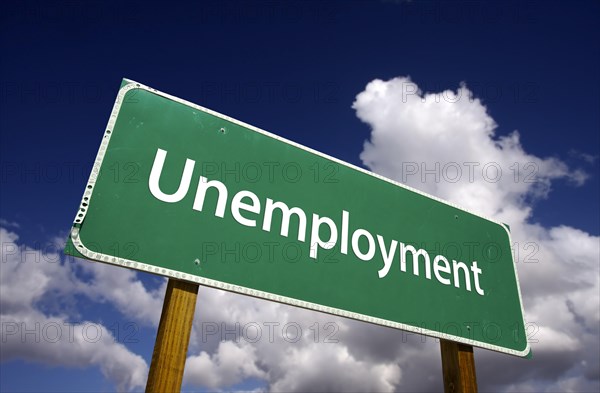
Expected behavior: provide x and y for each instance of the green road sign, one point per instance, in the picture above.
(181, 191)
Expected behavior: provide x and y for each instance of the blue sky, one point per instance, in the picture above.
(294, 69)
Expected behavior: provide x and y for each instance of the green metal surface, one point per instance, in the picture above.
(122, 219)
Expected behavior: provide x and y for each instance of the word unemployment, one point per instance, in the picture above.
(248, 202)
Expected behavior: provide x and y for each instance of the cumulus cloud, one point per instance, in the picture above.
(317, 368)
(229, 365)
(128, 294)
(446, 144)
(37, 319)
(290, 349)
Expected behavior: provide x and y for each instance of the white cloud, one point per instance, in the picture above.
(127, 293)
(331, 368)
(33, 336)
(229, 365)
(31, 282)
(586, 157)
(291, 349)
(9, 224)
(413, 132)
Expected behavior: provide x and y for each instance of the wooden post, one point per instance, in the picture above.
(458, 367)
(173, 337)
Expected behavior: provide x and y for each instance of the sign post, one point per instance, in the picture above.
(172, 338)
(458, 367)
